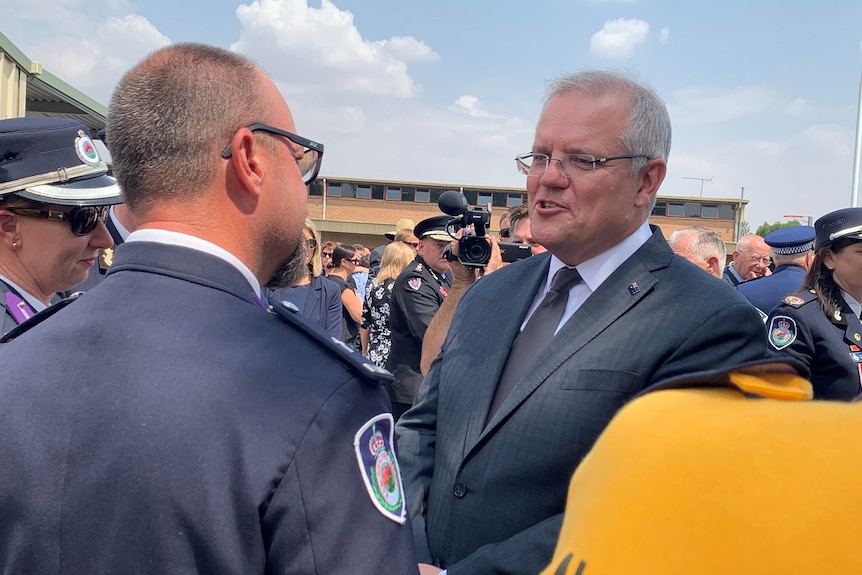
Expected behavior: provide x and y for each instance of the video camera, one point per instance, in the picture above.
(473, 249)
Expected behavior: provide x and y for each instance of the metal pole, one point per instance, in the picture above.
(854, 192)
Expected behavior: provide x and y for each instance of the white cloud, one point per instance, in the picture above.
(704, 106)
(664, 35)
(796, 108)
(470, 105)
(617, 38)
(321, 49)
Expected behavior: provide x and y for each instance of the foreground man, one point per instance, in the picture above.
(166, 422)
(492, 441)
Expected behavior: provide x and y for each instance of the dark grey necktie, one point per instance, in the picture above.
(536, 335)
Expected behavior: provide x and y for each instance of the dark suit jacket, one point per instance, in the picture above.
(214, 436)
(729, 277)
(490, 499)
(319, 302)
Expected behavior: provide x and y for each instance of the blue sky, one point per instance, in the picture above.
(762, 95)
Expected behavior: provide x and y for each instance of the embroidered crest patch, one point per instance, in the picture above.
(794, 300)
(782, 331)
(415, 283)
(379, 468)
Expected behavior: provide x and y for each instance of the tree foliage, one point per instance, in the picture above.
(766, 227)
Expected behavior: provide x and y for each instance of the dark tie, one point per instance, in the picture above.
(535, 336)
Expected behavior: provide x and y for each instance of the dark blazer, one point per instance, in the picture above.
(489, 499)
(319, 302)
(214, 437)
(729, 277)
(766, 292)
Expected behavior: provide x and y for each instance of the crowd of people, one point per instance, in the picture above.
(232, 394)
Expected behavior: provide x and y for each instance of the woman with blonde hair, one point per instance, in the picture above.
(375, 333)
(317, 298)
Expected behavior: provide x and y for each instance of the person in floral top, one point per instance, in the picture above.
(374, 332)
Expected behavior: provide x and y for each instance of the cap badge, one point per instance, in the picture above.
(86, 150)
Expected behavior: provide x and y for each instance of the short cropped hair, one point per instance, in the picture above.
(171, 116)
(704, 244)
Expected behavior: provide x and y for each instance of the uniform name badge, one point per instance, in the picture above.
(379, 468)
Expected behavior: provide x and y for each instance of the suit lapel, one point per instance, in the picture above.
(516, 302)
(625, 288)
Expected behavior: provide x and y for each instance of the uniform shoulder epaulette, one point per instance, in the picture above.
(38, 318)
(800, 298)
(289, 313)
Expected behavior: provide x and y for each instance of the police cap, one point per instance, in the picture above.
(54, 161)
(434, 227)
(791, 240)
(846, 223)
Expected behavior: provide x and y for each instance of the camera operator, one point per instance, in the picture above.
(520, 233)
(416, 297)
(462, 278)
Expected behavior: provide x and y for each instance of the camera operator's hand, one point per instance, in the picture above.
(462, 276)
(496, 261)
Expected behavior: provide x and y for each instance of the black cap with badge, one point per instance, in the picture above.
(54, 161)
(846, 223)
(433, 227)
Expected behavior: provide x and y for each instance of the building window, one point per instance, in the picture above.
(436, 193)
(407, 194)
(710, 211)
(334, 190)
(485, 199)
(660, 209)
(515, 200)
(393, 194)
(423, 195)
(499, 200)
(348, 190)
(725, 212)
(692, 209)
(674, 209)
(377, 192)
(363, 192)
(472, 197)
(315, 188)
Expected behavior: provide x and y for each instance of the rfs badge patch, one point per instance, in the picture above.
(782, 331)
(415, 283)
(379, 468)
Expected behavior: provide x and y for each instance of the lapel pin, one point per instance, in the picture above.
(634, 289)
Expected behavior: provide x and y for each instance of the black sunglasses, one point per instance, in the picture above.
(312, 152)
(82, 219)
(505, 233)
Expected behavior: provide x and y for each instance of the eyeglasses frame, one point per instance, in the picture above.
(60, 215)
(524, 168)
(296, 139)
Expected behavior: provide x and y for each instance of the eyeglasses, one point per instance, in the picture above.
(82, 219)
(312, 152)
(505, 233)
(765, 261)
(311, 243)
(534, 165)
(326, 254)
(413, 245)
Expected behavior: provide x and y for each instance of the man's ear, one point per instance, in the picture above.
(246, 160)
(712, 264)
(651, 175)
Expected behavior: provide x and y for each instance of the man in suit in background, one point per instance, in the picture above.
(701, 246)
(750, 260)
(168, 422)
(489, 447)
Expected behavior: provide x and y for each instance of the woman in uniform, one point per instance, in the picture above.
(54, 197)
(819, 326)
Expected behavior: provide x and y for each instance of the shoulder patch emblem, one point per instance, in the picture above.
(379, 468)
(794, 300)
(415, 283)
(782, 331)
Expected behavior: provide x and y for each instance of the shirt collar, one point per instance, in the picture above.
(596, 270)
(195, 243)
(31, 300)
(121, 229)
(855, 306)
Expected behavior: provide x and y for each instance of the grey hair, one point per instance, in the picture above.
(171, 116)
(648, 132)
(704, 244)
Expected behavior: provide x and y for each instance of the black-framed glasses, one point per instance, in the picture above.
(534, 165)
(506, 233)
(326, 254)
(82, 219)
(311, 243)
(312, 152)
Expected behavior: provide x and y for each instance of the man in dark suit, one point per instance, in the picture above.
(215, 435)
(750, 261)
(493, 438)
